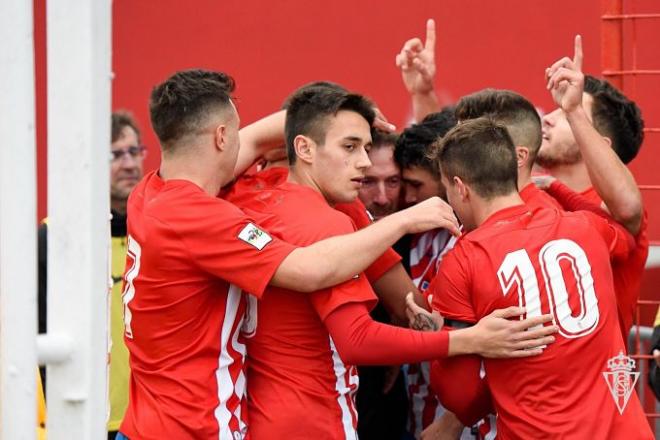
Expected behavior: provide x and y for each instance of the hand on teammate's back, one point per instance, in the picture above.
(496, 336)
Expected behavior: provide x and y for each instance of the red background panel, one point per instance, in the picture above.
(273, 47)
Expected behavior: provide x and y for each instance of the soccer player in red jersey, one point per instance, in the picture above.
(587, 141)
(302, 349)
(552, 262)
(523, 123)
(190, 257)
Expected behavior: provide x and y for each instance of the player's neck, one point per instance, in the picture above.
(575, 176)
(524, 178)
(302, 176)
(203, 174)
(486, 208)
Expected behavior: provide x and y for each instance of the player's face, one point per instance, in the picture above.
(419, 184)
(339, 165)
(125, 167)
(559, 146)
(381, 186)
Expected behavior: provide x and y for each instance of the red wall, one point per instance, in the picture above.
(272, 47)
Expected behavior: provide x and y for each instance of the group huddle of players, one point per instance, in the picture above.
(248, 293)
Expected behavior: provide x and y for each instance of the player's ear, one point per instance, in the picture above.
(304, 148)
(463, 189)
(220, 137)
(522, 156)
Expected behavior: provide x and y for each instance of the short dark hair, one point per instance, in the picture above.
(182, 103)
(380, 138)
(310, 109)
(482, 154)
(121, 119)
(508, 108)
(414, 144)
(315, 85)
(616, 117)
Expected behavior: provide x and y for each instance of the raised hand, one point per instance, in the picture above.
(417, 62)
(565, 79)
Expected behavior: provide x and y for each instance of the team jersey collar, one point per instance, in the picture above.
(506, 215)
(528, 192)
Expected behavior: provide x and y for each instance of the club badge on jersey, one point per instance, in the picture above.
(254, 236)
(621, 379)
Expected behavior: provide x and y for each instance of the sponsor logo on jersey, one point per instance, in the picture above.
(254, 236)
(621, 379)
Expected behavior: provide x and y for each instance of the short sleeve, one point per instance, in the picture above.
(225, 242)
(356, 290)
(451, 288)
(358, 213)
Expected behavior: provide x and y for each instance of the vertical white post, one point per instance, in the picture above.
(79, 76)
(18, 223)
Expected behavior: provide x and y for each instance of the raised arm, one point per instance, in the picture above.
(610, 177)
(258, 138)
(417, 63)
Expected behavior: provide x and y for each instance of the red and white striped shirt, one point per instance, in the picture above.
(426, 252)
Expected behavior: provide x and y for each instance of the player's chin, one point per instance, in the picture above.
(347, 196)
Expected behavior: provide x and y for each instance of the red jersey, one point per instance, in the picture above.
(627, 273)
(299, 387)
(559, 263)
(190, 256)
(245, 187)
(535, 198)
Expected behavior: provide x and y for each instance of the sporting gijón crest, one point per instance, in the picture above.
(621, 379)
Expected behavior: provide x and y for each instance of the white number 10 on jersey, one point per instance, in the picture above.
(517, 270)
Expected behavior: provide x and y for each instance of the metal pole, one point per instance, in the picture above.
(18, 215)
(79, 76)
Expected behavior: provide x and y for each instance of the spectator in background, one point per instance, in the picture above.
(126, 168)
(381, 186)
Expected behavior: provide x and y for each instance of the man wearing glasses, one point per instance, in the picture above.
(126, 168)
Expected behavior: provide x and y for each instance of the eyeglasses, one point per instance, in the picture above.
(136, 152)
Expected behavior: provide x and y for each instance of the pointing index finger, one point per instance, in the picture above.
(577, 57)
(430, 35)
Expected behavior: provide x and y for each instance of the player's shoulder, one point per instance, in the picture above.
(303, 212)
(179, 204)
